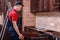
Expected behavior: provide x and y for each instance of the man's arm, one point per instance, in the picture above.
(17, 30)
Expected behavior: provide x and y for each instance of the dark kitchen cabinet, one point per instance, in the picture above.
(45, 6)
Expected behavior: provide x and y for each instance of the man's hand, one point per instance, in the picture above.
(21, 36)
(17, 30)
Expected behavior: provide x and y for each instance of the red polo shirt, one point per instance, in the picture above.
(13, 15)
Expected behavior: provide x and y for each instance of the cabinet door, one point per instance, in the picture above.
(56, 7)
(45, 6)
(40, 5)
(34, 5)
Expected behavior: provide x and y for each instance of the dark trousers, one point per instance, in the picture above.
(15, 37)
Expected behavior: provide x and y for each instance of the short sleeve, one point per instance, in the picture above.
(14, 17)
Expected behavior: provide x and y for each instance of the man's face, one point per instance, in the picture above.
(19, 7)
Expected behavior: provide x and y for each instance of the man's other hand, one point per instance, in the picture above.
(21, 36)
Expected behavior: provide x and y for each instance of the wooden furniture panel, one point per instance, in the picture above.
(45, 6)
(34, 5)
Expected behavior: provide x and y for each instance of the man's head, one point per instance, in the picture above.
(18, 6)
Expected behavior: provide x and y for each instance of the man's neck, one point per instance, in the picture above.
(15, 10)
